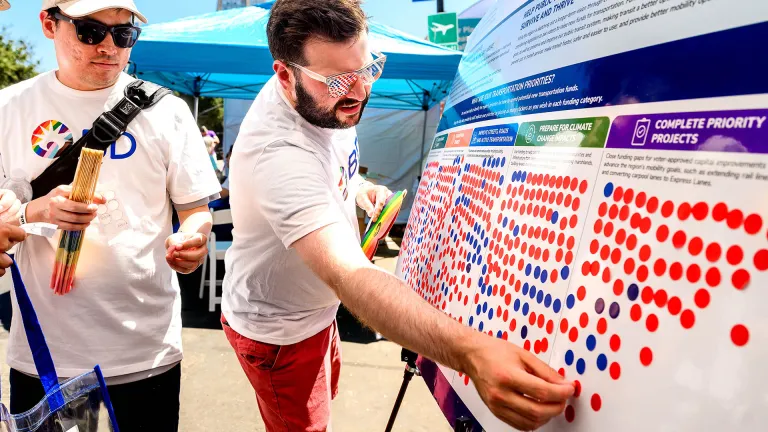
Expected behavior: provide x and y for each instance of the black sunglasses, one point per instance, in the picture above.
(93, 32)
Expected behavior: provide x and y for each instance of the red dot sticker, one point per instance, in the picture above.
(740, 279)
(676, 271)
(570, 413)
(645, 253)
(652, 205)
(646, 356)
(621, 235)
(615, 371)
(662, 233)
(687, 319)
(640, 199)
(735, 219)
(713, 277)
(713, 252)
(584, 320)
(695, 246)
(702, 298)
(679, 239)
(618, 287)
(636, 312)
(719, 212)
(602, 326)
(596, 402)
(674, 305)
(734, 255)
(652, 323)
(642, 273)
(615, 343)
(739, 335)
(667, 209)
(753, 223)
(700, 211)
(684, 211)
(660, 298)
(647, 295)
(693, 273)
(573, 335)
(761, 260)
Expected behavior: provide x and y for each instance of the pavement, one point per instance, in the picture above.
(215, 395)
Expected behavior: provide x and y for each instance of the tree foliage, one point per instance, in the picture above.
(16, 60)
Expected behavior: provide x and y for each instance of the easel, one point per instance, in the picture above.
(463, 424)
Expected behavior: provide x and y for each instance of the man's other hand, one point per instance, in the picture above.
(372, 199)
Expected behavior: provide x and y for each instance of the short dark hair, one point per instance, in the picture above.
(293, 22)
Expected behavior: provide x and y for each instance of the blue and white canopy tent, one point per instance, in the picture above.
(225, 54)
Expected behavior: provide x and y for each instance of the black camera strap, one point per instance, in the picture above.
(139, 95)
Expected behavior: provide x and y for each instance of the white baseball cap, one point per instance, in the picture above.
(4, 5)
(81, 8)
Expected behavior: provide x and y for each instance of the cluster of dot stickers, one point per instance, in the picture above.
(529, 249)
(464, 235)
(635, 279)
(420, 242)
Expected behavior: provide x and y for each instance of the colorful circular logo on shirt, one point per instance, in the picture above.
(50, 138)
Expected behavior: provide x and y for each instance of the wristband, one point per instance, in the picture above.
(23, 214)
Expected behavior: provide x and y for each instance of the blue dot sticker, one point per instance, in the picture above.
(528, 269)
(524, 332)
(591, 342)
(608, 191)
(581, 366)
(525, 309)
(544, 276)
(556, 306)
(555, 216)
(548, 301)
(570, 301)
(537, 272)
(569, 357)
(602, 362)
(633, 291)
(517, 305)
(525, 288)
(565, 272)
(532, 292)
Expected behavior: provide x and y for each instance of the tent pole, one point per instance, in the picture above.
(423, 138)
(197, 105)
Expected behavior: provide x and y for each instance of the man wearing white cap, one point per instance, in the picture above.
(124, 312)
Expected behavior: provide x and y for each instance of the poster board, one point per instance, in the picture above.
(597, 193)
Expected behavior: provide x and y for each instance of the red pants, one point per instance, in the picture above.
(294, 384)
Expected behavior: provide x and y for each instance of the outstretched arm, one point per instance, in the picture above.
(517, 387)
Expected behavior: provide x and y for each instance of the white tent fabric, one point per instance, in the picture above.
(389, 144)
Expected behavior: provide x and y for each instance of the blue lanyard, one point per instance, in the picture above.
(40, 352)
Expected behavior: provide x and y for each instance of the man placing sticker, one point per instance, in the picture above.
(296, 249)
(124, 312)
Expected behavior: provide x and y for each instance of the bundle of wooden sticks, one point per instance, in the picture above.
(83, 189)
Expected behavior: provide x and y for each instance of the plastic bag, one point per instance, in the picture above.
(80, 404)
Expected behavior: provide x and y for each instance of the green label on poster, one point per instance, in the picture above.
(584, 132)
(439, 142)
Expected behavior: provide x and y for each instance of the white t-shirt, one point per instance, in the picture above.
(124, 312)
(288, 178)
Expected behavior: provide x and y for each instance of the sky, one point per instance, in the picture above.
(21, 21)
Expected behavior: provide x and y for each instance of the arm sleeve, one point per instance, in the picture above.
(190, 176)
(295, 192)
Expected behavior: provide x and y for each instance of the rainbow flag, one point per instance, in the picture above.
(379, 228)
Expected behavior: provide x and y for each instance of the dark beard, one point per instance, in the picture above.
(317, 116)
